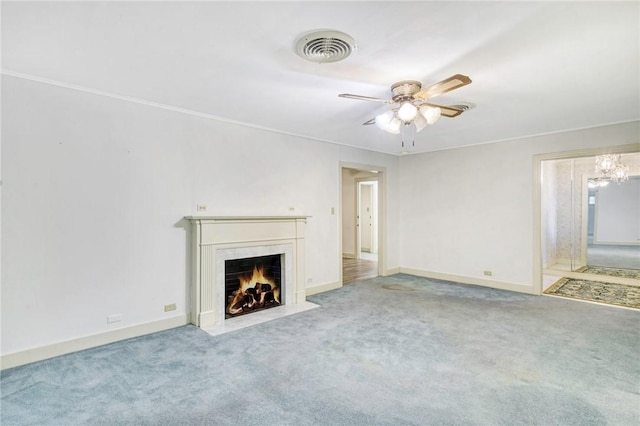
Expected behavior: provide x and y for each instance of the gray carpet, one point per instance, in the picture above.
(386, 351)
(611, 256)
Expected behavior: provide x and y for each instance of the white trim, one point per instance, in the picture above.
(391, 271)
(87, 342)
(175, 109)
(382, 213)
(530, 136)
(501, 285)
(316, 289)
(349, 255)
(613, 243)
(141, 101)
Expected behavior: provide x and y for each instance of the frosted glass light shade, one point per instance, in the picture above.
(407, 112)
(388, 122)
(420, 122)
(383, 120)
(431, 114)
(394, 126)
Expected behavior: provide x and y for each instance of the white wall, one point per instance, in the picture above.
(95, 190)
(549, 208)
(468, 210)
(94, 194)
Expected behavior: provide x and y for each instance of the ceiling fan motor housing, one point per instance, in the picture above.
(404, 90)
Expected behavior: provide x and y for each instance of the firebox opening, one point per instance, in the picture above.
(252, 284)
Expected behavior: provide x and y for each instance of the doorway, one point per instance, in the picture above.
(586, 232)
(367, 219)
(362, 217)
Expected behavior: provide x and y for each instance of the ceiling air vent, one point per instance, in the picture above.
(324, 46)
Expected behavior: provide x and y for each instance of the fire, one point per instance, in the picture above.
(254, 291)
(248, 281)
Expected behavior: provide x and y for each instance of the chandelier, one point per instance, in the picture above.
(610, 168)
(597, 183)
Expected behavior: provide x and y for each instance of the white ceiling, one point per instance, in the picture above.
(537, 67)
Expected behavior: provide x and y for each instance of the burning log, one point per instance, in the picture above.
(254, 292)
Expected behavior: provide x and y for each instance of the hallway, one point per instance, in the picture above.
(357, 269)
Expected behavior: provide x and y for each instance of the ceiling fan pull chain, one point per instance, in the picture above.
(413, 135)
(402, 134)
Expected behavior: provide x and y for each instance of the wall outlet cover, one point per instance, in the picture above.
(114, 318)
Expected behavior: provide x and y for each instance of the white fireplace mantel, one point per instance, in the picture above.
(216, 238)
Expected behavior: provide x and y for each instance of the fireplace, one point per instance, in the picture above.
(229, 253)
(252, 284)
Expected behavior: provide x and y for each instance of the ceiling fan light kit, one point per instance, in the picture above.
(412, 107)
(407, 112)
(389, 122)
(430, 113)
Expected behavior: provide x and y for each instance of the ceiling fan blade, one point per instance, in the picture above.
(447, 111)
(368, 122)
(364, 98)
(444, 86)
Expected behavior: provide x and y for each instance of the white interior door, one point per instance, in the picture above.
(366, 218)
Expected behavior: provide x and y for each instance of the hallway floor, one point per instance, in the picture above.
(358, 269)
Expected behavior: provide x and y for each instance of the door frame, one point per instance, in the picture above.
(537, 197)
(382, 213)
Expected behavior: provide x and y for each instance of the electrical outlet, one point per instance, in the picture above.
(170, 307)
(333, 210)
(114, 318)
(488, 273)
(201, 207)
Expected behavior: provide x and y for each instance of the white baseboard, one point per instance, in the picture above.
(613, 243)
(322, 288)
(349, 255)
(501, 285)
(391, 271)
(49, 351)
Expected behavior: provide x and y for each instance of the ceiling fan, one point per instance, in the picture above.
(410, 104)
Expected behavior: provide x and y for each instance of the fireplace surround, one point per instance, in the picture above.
(217, 239)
